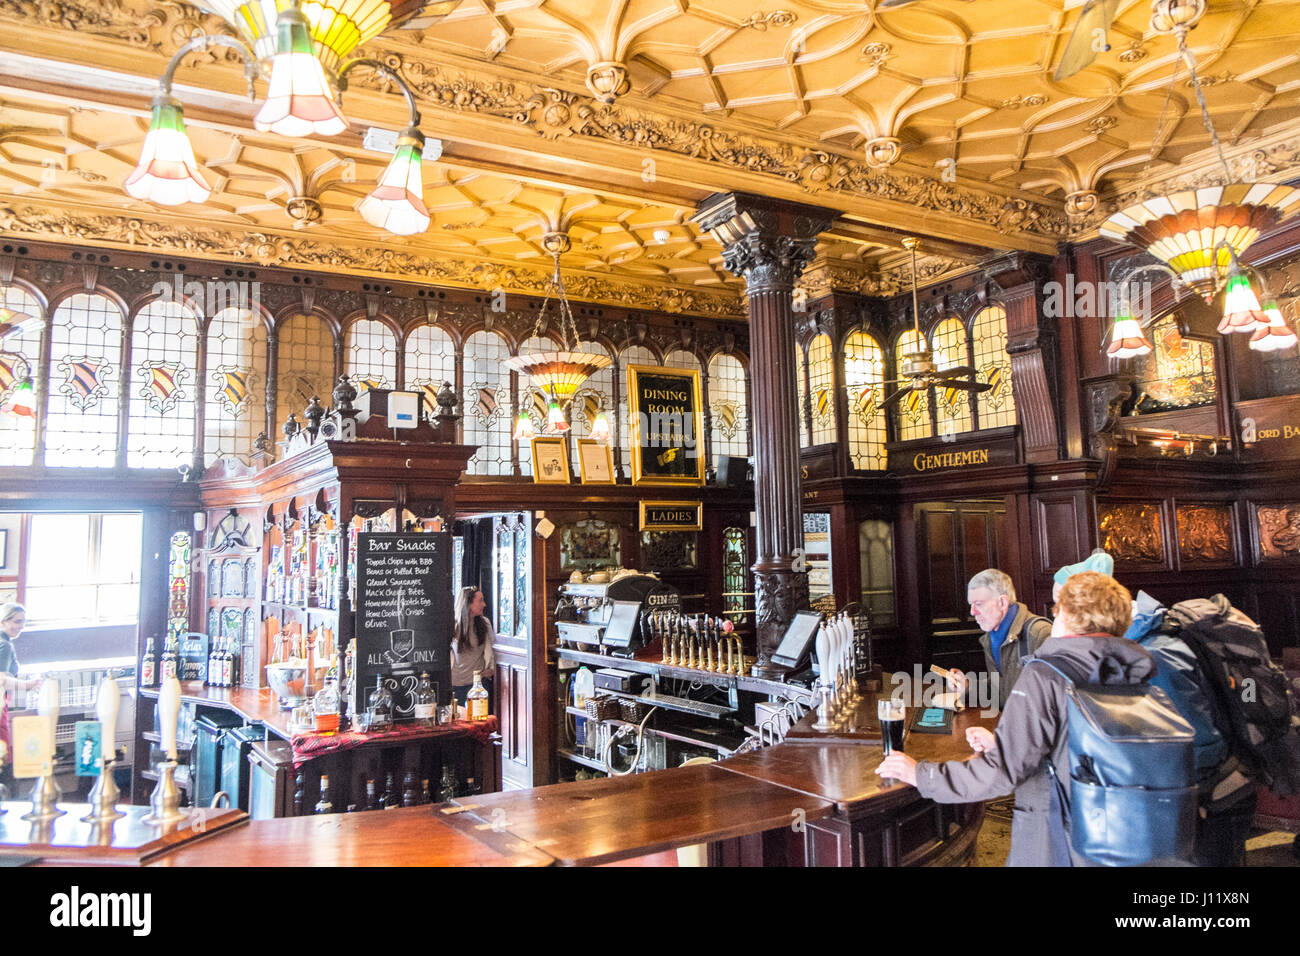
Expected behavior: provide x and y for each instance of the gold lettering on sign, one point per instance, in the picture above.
(810, 495)
(951, 459)
(1279, 531)
(1132, 533)
(1204, 533)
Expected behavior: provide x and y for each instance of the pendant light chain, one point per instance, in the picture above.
(1190, 59)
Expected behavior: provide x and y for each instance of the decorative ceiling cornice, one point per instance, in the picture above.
(270, 248)
(825, 276)
(819, 173)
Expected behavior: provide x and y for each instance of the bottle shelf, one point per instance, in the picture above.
(578, 758)
(679, 737)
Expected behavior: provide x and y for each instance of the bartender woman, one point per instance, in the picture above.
(471, 645)
(13, 618)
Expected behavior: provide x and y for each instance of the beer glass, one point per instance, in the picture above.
(891, 712)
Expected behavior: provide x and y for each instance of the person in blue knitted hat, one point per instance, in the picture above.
(1098, 561)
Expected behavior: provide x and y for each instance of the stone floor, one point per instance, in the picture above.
(994, 841)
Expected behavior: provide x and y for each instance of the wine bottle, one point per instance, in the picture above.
(323, 805)
(389, 801)
(148, 666)
(372, 798)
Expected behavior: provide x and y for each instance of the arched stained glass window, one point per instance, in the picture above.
(20, 362)
(534, 402)
(997, 406)
(801, 392)
(235, 392)
(680, 358)
(85, 362)
(864, 373)
(371, 356)
(430, 361)
(164, 357)
(728, 407)
(913, 409)
(953, 408)
(486, 400)
(821, 384)
(304, 365)
(632, 355)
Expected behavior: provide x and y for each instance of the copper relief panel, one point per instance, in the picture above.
(1204, 534)
(1279, 530)
(1132, 532)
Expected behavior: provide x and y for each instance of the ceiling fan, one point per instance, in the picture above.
(917, 367)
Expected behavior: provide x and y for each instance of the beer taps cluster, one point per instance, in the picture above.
(699, 641)
(837, 658)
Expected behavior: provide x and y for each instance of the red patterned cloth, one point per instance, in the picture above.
(307, 746)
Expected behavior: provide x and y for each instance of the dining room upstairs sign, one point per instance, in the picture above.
(666, 425)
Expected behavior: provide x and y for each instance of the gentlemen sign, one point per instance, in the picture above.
(667, 425)
(403, 615)
(930, 457)
(672, 515)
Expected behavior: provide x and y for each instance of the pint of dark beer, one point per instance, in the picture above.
(891, 713)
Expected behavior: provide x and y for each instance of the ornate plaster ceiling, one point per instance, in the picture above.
(541, 132)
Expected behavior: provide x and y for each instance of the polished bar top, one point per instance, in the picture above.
(845, 772)
(600, 821)
(128, 841)
(411, 836)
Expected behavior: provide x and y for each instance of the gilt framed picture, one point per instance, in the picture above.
(550, 461)
(595, 462)
(666, 425)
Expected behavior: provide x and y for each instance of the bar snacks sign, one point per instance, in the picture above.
(672, 516)
(403, 614)
(666, 425)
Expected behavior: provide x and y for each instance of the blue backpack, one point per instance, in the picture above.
(1132, 793)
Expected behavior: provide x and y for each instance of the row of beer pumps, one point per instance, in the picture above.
(837, 685)
(700, 641)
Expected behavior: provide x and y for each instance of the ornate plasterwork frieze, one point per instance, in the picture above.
(824, 276)
(553, 113)
(275, 249)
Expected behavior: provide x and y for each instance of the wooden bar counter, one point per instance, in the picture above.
(128, 841)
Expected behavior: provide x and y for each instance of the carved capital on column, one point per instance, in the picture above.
(768, 242)
(778, 594)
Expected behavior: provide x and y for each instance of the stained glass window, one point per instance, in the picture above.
(85, 359)
(632, 355)
(371, 356)
(596, 394)
(864, 371)
(164, 356)
(953, 404)
(914, 407)
(486, 401)
(178, 574)
(1179, 373)
(728, 407)
(801, 385)
(304, 365)
(680, 358)
(821, 383)
(997, 406)
(735, 573)
(534, 402)
(430, 361)
(20, 360)
(235, 393)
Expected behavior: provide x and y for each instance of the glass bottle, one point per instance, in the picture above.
(380, 706)
(210, 674)
(323, 805)
(410, 796)
(447, 786)
(372, 798)
(148, 666)
(168, 660)
(426, 702)
(227, 665)
(476, 701)
(426, 795)
(389, 800)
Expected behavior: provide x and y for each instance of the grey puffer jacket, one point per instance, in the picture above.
(1032, 730)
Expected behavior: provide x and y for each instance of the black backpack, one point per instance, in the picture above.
(1132, 794)
(1250, 695)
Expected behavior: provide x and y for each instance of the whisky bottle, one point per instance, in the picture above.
(426, 702)
(426, 795)
(372, 798)
(410, 796)
(148, 666)
(447, 786)
(380, 706)
(323, 805)
(476, 701)
(389, 800)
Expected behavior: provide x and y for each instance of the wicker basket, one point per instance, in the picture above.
(634, 711)
(603, 707)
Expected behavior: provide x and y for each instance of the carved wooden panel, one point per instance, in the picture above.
(1132, 532)
(1279, 531)
(1205, 534)
(1058, 532)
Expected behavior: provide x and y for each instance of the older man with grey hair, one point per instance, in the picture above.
(1011, 631)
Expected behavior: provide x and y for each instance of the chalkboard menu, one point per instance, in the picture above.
(403, 615)
(667, 425)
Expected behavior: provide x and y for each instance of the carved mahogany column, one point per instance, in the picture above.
(1032, 345)
(768, 243)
